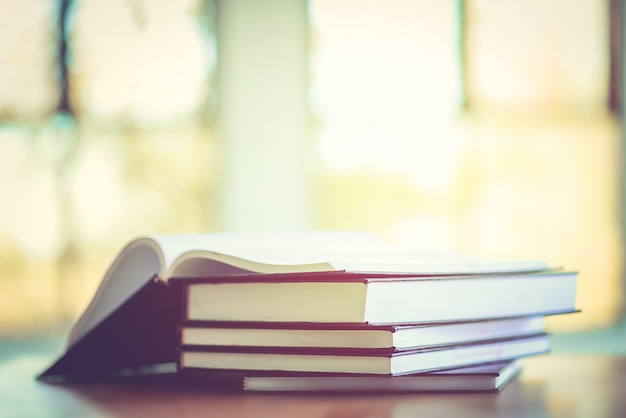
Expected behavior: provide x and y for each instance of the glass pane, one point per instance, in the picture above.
(143, 61)
(538, 56)
(385, 82)
(28, 83)
(386, 85)
(538, 76)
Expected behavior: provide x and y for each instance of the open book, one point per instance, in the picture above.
(220, 254)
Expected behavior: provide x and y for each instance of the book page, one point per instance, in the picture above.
(308, 251)
(134, 266)
(244, 250)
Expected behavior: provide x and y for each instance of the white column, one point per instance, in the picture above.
(263, 115)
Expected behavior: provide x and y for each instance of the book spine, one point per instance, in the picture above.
(290, 325)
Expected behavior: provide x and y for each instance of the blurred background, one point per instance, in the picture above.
(491, 127)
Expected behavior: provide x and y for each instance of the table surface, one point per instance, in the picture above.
(554, 385)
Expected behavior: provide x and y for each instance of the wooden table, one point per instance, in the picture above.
(585, 385)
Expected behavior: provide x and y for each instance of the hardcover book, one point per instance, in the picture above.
(482, 378)
(377, 298)
(399, 337)
(491, 377)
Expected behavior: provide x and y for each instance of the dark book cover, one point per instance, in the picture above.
(142, 332)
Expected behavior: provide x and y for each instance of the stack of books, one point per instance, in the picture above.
(320, 311)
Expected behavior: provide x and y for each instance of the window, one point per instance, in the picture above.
(482, 126)
(487, 127)
(119, 144)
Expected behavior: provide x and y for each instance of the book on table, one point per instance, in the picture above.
(492, 377)
(358, 336)
(482, 378)
(377, 298)
(132, 321)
